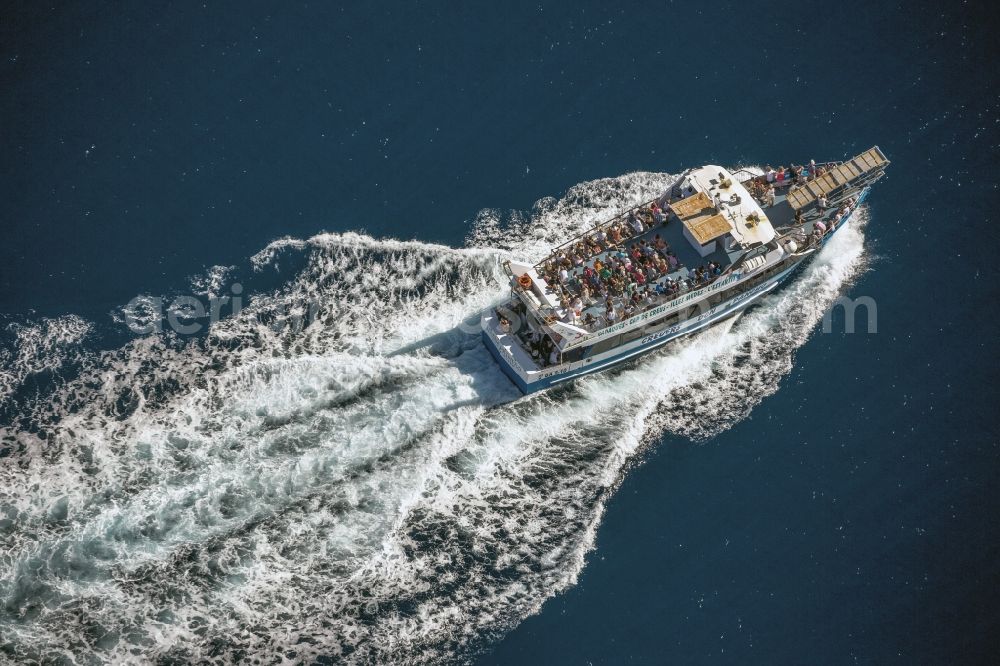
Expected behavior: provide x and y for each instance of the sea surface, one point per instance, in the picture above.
(336, 470)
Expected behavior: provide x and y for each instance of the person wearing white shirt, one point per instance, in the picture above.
(637, 225)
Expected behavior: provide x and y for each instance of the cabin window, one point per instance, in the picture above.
(604, 345)
(659, 324)
(688, 313)
(634, 334)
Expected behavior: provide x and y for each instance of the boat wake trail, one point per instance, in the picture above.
(367, 487)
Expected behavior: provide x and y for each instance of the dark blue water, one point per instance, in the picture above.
(850, 519)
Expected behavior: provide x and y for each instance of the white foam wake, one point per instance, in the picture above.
(37, 348)
(368, 487)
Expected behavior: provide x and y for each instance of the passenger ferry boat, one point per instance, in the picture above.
(714, 243)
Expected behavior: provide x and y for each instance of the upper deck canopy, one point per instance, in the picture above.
(697, 212)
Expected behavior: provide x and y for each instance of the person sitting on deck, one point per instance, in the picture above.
(622, 282)
(819, 226)
(637, 225)
(613, 283)
(616, 234)
(601, 238)
(625, 228)
(609, 312)
(658, 215)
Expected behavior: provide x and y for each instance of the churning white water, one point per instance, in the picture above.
(370, 487)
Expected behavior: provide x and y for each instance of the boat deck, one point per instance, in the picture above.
(672, 232)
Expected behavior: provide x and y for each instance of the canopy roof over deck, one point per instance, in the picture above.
(700, 217)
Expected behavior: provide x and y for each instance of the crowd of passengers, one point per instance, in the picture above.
(762, 187)
(628, 272)
(821, 227)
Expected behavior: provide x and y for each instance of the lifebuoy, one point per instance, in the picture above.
(524, 281)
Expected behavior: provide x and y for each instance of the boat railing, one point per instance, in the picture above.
(743, 174)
